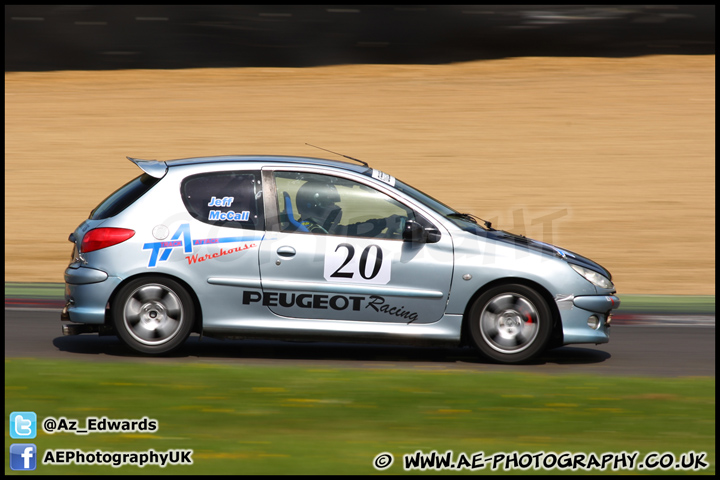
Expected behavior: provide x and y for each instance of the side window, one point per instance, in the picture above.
(227, 199)
(323, 204)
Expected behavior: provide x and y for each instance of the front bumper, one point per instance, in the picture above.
(597, 303)
(576, 311)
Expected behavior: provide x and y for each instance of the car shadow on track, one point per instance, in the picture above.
(272, 350)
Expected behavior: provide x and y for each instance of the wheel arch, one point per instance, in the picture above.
(556, 338)
(197, 321)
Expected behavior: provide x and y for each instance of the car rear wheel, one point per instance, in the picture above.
(153, 314)
(511, 323)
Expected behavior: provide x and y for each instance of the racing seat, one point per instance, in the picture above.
(295, 226)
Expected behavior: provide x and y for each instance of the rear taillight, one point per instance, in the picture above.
(104, 237)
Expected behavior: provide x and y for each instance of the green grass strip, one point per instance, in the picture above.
(669, 304)
(34, 290)
(263, 419)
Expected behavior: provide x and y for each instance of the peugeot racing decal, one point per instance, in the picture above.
(325, 302)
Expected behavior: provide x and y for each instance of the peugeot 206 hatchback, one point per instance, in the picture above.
(307, 249)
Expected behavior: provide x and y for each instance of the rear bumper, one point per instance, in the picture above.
(77, 275)
(87, 292)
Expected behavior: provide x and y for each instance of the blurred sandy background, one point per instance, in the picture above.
(617, 155)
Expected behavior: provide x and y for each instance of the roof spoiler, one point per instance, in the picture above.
(154, 168)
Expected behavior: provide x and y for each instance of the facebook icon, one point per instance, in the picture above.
(23, 456)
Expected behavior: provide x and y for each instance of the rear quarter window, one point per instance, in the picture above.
(123, 197)
(227, 199)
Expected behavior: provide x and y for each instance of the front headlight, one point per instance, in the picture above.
(593, 277)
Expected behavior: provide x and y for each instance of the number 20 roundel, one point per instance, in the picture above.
(345, 262)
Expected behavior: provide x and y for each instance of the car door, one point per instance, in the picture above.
(219, 244)
(335, 251)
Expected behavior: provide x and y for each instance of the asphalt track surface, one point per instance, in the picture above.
(634, 350)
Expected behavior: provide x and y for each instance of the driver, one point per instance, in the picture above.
(316, 204)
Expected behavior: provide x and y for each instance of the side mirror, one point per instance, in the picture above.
(416, 233)
(433, 235)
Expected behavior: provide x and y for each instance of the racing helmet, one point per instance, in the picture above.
(316, 202)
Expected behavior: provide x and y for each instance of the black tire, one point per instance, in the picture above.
(511, 323)
(153, 315)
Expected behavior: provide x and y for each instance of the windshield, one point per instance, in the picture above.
(464, 221)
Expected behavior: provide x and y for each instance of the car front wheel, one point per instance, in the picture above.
(510, 323)
(153, 314)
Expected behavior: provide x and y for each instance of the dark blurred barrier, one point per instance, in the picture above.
(102, 37)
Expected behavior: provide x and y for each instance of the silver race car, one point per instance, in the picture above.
(306, 249)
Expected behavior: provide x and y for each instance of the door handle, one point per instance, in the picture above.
(286, 251)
